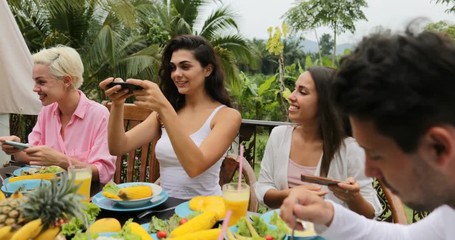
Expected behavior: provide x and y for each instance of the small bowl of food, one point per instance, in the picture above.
(131, 195)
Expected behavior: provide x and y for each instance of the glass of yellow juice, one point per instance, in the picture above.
(83, 178)
(236, 200)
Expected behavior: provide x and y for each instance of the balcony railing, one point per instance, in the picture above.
(249, 131)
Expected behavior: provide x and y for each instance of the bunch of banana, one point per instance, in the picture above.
(31, 230)
(40, 213)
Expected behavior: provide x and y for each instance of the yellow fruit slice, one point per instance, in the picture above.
(138, 230)
(196, 203)
(105, 225)
(45, 176)
(209, 203)
(111, 196)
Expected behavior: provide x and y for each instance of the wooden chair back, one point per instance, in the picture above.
(393, 204)
(138, 165)
(229, 167)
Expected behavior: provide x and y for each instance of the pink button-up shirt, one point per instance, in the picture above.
(85, 135)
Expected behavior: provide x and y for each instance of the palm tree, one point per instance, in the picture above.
(124, 38)
(105, 33)
(178, 17)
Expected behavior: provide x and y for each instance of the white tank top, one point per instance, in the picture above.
(173, 177)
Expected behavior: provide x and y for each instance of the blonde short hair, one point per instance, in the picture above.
(62, 61)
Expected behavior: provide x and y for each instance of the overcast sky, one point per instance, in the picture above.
(255, 16)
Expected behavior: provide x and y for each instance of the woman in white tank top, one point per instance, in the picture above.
(191, 113)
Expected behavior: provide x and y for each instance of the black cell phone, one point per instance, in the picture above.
(125, 85)
(318, 180)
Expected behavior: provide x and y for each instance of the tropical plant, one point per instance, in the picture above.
(275, 46)
(268, 63)
(338, 15)
(220, 28)
(443, 27)
(105, 33)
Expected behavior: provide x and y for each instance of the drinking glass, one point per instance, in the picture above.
(236, 200)
(83, 178)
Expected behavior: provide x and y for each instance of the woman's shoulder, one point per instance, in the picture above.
(282, 129)
(228, 112)
(350, 141)
(350, 146)
(95, 107)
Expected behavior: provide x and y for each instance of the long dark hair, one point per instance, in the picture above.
(329, 116)
(205, 55)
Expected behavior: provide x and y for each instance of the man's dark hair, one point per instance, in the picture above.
(403, 83)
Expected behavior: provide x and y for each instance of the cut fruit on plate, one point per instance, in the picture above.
(115, 193)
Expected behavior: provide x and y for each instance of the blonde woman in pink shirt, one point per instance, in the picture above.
(70, 127)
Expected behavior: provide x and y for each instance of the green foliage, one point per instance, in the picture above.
(339, 16)
(125, 38)
(443, 27)
(326, 44)
(275, 44)
(449, 3)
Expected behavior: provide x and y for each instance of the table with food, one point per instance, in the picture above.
(42, 203)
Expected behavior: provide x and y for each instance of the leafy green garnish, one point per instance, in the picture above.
(243, 228)
(111, 187)
(84, 236)
(157, 224)
(76, 225)
(51, 169)
(279, 223)
(261, 228)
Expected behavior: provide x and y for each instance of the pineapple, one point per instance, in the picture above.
(10, 214)
(51, 203)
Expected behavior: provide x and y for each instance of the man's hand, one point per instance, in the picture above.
(306, 205)
(45, 156)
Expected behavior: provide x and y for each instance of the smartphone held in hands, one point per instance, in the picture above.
(18, 145)
(125, 85)
(318, 180)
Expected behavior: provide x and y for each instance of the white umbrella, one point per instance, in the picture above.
(16, 84)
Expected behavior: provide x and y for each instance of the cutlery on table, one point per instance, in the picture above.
(143, 214)
(297, 221)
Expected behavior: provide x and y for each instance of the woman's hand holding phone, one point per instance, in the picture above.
(116, 89)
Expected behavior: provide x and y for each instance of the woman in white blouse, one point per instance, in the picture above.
(315, 145)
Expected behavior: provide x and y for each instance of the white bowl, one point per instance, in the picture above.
(138, 202)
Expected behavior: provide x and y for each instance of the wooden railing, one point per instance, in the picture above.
(248, 132)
